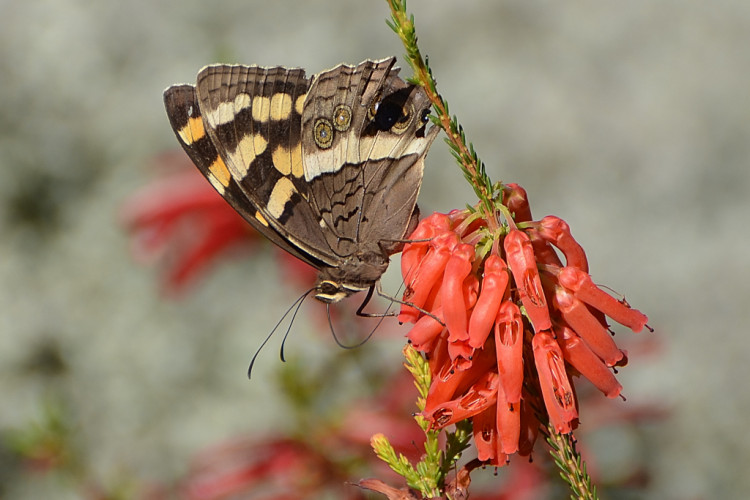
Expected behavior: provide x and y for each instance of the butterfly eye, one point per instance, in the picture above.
(323, 133)
(342, 117)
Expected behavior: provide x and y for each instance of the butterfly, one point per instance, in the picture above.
(328, 167)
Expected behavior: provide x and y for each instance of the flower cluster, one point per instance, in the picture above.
(505, 324)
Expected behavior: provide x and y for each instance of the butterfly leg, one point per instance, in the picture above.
(398, 301)
(367, 300)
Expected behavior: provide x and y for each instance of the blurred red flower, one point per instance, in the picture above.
(181, 221)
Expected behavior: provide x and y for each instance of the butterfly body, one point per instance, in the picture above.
(329, 168)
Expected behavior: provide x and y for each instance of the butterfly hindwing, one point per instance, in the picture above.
(365, 176)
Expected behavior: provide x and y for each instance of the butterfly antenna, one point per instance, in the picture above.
(296, 303)
(289, 329)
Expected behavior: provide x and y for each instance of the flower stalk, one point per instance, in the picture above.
(472, 166)
(571, 465)
(514, 314)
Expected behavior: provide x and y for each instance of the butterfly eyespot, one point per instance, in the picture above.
(403, 123)
(389, 114)
(323, 133)
(342, 117)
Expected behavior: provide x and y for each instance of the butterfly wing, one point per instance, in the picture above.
(181, 102)
(365, 177)
(253, 117)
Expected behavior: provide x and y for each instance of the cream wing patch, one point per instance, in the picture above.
(377, 148)
(249, 147)
(226, 111)
(299, 104)
(288, 162)
(261, 108)
(281, 106)
(280, 195)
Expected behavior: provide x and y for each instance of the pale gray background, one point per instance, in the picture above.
(628, 119)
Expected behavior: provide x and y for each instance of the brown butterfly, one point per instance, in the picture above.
(328, 167)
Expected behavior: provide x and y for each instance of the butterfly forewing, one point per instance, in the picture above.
(252, 114)
(184, 114)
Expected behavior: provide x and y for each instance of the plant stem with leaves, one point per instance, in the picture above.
(471, 165)
(563, 450)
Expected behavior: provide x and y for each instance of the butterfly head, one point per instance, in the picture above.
(358, 273)
(330, 291)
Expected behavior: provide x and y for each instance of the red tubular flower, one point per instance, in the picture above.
(515, 198)
(494, 286)
(582, 358)
(427, 275)
(485, 434)
(512, 381)
(556, 388)
(480, 396)
(461, 352)
(508, 423)
(557, 232)
(432, 226)
(520, 254)
(585, 290)
(509, 350)
(455, 378)
(454, 300)
(543, 249)
(578, 316)
(426, 330)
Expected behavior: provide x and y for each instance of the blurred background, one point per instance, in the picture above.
(630, 120)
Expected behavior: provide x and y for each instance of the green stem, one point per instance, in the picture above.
(474, 171)
(572, 467)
